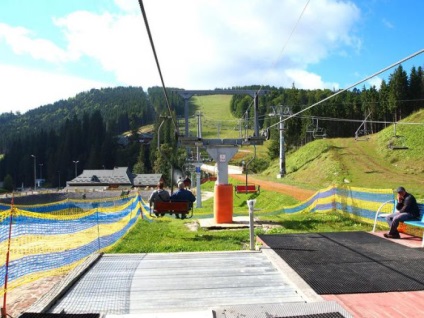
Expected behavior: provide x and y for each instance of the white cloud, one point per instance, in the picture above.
(201, 44)
(388, 24)
(128, 5)
(375, 81)
(207, 44)
(23, 42)
(306, 80)
(23, 88)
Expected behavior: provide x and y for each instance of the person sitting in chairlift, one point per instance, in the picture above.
(159, 195)
(182, 195)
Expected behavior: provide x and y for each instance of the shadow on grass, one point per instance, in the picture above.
(330, 221)
(301, 224)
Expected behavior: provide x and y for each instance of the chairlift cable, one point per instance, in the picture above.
(143, 11)
(357, 120)
(351, 86)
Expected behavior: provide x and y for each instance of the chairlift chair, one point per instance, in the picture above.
(319, 132)
(362, 135)
(311, 127)
(397, 143)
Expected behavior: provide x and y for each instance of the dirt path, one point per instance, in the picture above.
(364, 163)
(295, 192)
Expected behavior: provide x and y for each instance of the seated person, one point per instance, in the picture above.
(187, 182)
(182, 195)
(407, 209)
(159, 195)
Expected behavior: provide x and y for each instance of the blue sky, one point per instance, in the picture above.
(52, 49)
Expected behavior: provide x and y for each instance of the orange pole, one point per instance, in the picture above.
(223, 204)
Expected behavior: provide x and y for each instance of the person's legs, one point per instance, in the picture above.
(389, 218)
(399, 217)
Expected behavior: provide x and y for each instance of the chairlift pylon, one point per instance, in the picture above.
(362, 133)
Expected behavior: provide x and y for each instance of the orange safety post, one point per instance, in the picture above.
(223, 203)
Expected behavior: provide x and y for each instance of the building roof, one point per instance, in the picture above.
(143, 180)
(119, 175)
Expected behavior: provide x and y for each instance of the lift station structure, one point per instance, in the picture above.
(221, 150)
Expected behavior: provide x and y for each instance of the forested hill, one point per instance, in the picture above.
(122, 108)
(83, 129)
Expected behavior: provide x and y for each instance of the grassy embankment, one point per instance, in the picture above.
(369, 164)
(168, 234)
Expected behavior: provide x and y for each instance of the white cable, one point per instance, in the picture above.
(351, 86)
(282, 50)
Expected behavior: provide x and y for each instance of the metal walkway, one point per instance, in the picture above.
(141, 284)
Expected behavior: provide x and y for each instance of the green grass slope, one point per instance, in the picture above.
(333, 161)
(217, 120)
(219, 123)
(362, 163)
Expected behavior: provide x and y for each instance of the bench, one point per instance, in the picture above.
(180, 207)
(416, 223)
(243, 188)
(402, 225)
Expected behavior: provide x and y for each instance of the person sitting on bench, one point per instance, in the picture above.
(407, 209)
(182, 195)
(187, 182)
(159, 195)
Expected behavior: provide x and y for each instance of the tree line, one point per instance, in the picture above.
(86, 132)
(396, 98)
(86, 128)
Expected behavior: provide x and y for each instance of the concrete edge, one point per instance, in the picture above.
(301, 286)
(184, 253)
(47, 301)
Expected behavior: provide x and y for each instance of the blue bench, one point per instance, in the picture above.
(415, 223)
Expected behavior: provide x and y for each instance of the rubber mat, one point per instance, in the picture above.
(350, 262)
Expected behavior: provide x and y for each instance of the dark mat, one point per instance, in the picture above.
(350, 262)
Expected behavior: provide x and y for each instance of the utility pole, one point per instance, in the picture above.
(35, 171)
(76, 167)
(282, 112)
(282, 152)
(198, 162)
